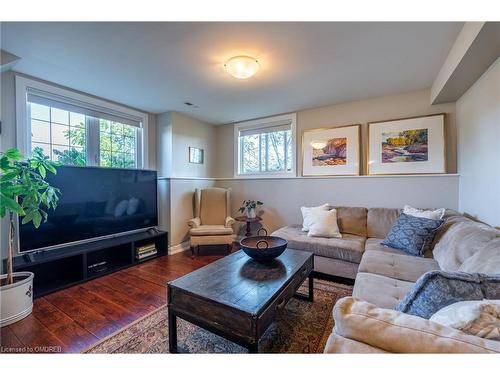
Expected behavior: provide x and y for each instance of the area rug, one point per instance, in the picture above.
(301, 327)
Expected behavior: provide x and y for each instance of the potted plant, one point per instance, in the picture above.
(24, 192)
(249, 207)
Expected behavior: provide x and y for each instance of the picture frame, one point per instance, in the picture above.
(412, 145)
(333, 151)
(196, 155)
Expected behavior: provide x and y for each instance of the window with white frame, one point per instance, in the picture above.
(75, 129)
(266, 147)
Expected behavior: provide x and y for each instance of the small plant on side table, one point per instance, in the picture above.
(249, 207)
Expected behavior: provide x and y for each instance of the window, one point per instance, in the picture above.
(266, 147)
(74, 129)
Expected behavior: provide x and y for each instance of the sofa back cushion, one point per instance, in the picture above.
(379, 221)
(462, 240)
(486, 260)
(352, 220)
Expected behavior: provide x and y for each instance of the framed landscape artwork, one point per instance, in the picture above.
(331, 152)
(407, 146)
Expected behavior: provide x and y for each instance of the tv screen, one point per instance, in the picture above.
(94, 202)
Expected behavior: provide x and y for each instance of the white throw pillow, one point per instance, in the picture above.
(324, 224)
(427, 214)
(306, 211)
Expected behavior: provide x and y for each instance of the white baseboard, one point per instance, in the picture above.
(184, 246)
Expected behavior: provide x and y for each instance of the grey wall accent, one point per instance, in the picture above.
(478, 122)
(410, 104)
(283, 198)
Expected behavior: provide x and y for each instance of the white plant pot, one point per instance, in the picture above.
(16, 300)
(251, 213)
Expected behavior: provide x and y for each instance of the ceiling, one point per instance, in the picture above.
(156, 67)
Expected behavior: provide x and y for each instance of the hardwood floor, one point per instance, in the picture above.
(73, 319)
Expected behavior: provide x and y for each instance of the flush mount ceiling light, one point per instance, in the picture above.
(242, 67)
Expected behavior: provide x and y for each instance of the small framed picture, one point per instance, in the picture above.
(196, 155)
(331, 151)
(407, 146)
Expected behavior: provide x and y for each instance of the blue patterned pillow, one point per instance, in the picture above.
(437, 289)
(412, 234)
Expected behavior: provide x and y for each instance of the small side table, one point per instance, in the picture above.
(249, 221)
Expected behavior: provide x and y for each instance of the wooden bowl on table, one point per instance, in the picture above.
(263, 248)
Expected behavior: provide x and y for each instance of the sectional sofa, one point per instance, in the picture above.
(367, 321)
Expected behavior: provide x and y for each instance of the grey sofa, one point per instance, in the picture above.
(367, 321)
(363, 229)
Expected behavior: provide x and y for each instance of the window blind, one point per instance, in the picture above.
(72, 105)
(271, 127)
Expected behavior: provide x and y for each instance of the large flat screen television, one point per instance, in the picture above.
(94, 203)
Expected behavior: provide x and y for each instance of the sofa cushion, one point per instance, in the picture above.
(352, 220)
(486, 260)
(413, 235)
(396, 266)
(380, 290)
(375, 244)
(349, 248)
(379, 221)
(438, 289)
(210, 230)
(462, 240)
(396, 332)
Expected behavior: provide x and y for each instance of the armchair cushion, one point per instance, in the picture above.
(397, 332)
(210, 230)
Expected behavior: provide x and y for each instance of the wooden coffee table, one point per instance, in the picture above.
(236, 297)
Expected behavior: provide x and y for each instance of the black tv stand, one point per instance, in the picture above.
(61, 268)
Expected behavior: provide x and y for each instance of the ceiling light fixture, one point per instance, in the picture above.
(242, 67)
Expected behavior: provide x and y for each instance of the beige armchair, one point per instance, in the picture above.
(212, 224)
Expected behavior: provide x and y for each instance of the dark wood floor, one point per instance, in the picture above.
(75, 318)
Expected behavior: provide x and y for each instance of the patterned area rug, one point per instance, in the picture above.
(302, 327)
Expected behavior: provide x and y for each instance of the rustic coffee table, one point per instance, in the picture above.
(236, 297)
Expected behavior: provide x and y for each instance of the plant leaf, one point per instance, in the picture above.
(11, 205)
(13, 153)
(42, 170)
(37, 219)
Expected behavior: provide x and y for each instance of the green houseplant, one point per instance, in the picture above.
(249, 206)
(23, 192)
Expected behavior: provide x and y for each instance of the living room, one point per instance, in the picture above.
(250, 187)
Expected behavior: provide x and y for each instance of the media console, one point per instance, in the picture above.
(61, 268)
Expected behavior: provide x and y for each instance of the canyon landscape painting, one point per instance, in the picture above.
(405, 146)
(334, 153)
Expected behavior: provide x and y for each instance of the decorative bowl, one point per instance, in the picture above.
(263, 248)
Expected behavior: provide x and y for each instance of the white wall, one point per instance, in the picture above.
(409, 104)
(478, 122)
(179, 178)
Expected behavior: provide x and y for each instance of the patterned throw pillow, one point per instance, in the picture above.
(437, 289)
(412, 234)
